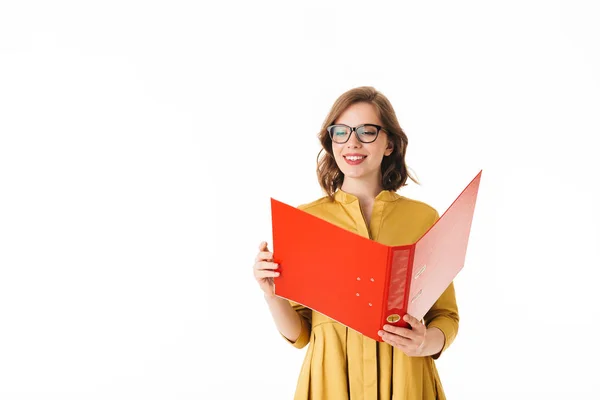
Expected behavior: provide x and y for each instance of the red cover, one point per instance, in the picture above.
(361, 283)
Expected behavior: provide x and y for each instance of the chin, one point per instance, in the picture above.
(355, 174)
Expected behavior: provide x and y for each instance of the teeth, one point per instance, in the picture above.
(354, 158)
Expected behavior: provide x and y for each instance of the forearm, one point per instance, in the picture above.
(286, 319)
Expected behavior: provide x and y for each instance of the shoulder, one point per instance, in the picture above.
(316, 204)
(416, 204)
(417, 208)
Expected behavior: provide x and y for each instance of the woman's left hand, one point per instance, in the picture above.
(410, 341)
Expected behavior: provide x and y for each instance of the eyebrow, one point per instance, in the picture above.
(365, 123)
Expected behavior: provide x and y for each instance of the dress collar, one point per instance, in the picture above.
(347, 198)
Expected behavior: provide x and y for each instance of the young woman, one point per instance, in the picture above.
(362, 168)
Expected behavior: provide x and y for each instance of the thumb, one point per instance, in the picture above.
(263, 246)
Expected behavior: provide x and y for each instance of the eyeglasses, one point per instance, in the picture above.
(366, 133)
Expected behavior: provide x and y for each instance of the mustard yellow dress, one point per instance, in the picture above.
(341, 364)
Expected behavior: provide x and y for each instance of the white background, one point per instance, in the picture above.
(140, 143)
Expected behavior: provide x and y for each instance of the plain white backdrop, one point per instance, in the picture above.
(140, 143)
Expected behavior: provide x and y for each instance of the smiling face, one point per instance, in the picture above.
(361, 161)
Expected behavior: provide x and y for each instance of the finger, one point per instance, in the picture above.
(404, 332)
(414, 323)
(390, 341)
(393, 339)
(266, 266)
(266, 274)
(264, 256)
(263, 246)
(408, 351)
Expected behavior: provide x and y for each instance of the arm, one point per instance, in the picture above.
(442, 318)
(292, 320)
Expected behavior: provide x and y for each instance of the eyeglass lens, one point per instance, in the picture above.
(366, 133)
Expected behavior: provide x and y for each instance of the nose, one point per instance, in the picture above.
(353, 140)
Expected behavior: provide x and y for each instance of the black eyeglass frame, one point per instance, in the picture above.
(354, 129)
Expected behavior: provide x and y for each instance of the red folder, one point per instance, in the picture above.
(361, 283)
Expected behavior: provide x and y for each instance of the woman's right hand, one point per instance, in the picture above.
(264, 269)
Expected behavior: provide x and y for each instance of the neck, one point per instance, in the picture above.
(364, 190)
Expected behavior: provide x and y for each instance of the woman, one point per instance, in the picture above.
(362, 168)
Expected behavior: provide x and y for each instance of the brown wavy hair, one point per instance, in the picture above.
(393, 167)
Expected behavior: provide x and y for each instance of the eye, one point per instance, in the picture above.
(368, 130)
(340, 130)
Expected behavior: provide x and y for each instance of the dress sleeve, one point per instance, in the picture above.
(305, 314)
(444, 314)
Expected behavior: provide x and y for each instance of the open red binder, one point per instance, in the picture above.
(361, 283)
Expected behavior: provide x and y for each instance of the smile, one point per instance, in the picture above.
(354, 160)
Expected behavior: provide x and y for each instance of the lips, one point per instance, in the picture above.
(354, 159)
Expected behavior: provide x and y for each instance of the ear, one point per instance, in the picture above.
(389, 149)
